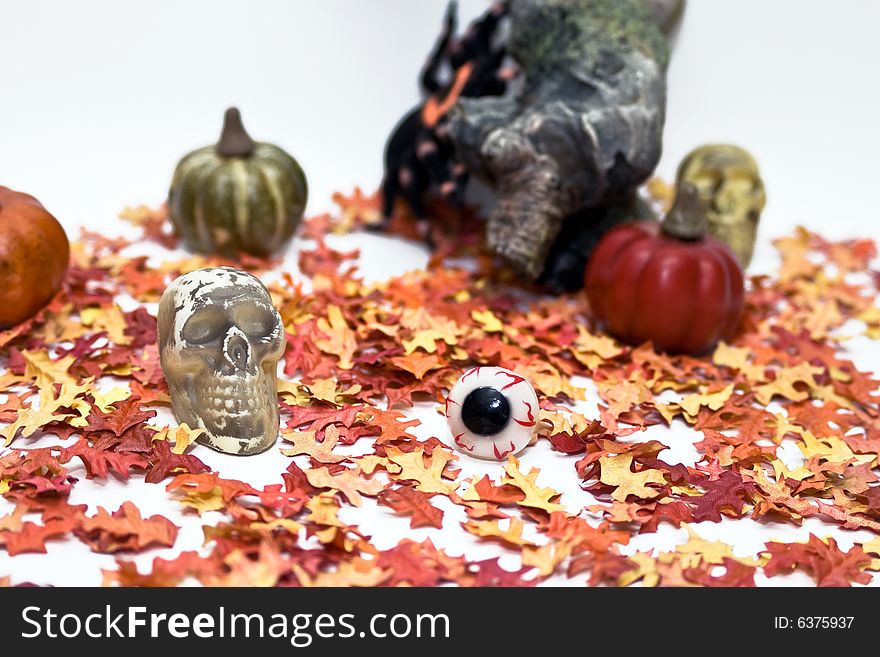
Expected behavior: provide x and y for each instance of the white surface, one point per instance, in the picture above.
(100, 99)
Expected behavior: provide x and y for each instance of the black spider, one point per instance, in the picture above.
(419, 156)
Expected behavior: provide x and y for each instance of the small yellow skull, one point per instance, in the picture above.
(731, 191)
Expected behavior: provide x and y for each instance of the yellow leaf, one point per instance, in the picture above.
(794, 251)
(737, 358)
(872, 546)
(324, 509)
(8, 380)
(547, 379)
(202, 501)
(46, 372)
(425, 340)
(354, 572)
(823, 316)
(340, 340)
(323, 389)
(242, 570)
(492, 529)
(371, 462)
(427, 330)
(30, 419)
(871, 317)
(182, 436)
(645, 570)
(111, 320)
(562, 421)
(616, 471)
(13, 521)
(428, 478)
(698, 548)
(829, 448)
(59, 327)
(123, 369)
(294, 393)
(417, 365)
(488, 321)
(268, 528)
(303, 442)
(535, 498)
(784, 384)
(347, 482)
(105, 400)
(691, 404)
(601, 345)
(546, 557)
(621, 396)
(782, 472)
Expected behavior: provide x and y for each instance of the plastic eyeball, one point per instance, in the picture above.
(492, 412)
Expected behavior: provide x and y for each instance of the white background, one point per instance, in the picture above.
(98, 100)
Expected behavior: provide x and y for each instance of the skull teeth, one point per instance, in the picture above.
(234, 398)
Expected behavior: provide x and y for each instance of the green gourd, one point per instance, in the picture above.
(238, 195)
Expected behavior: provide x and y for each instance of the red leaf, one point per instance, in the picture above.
(127, 414)
(828, 565)
(390, 426)
(567, 443)
(318, 418)
(100, 462)
(208, 481)
(32, 537)
(162, 463)
(416, 564)
(723, 494)
(488, 573)
(736, 574)
(505, 494)
(675, 512)
(295, 479)
(409, 501)
(164, 572)
(125, 529)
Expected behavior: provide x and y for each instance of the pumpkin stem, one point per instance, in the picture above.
(234, 140)
(685, 219)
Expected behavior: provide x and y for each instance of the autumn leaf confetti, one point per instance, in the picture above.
(82, 386)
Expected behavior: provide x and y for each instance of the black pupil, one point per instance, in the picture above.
(485, 411)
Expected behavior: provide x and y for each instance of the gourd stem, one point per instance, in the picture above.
(234, 139)
(685, 219)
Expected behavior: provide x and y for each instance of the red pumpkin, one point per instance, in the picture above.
(670, 282)
(34, 254)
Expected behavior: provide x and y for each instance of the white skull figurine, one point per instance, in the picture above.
(220, 340)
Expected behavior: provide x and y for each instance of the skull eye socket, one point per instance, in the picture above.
(255, 322)
(204, 326)
(491, 412)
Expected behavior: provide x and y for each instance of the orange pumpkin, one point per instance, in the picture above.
(669, 283)
(34, 254)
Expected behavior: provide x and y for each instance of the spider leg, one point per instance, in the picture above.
(477, 39)
(414, 183)
(390, 190)
(487, 78)
(436, 166)
(413, 196)
(429, 76)
(460, 182)
(399, 154)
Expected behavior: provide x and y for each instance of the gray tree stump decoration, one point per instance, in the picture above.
(582, 130)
